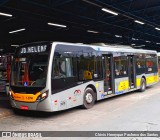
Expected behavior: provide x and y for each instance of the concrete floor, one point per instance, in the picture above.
(135, 111)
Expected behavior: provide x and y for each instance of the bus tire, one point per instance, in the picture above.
(89, 98)
(143, 85)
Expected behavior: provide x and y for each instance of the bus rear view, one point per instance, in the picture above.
(28, 84)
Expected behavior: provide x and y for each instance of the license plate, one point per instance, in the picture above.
(24, 107)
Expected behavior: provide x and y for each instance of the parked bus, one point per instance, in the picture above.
(158, 62)
(58, 76)
(5, 66)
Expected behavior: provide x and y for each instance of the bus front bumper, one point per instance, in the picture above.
(36, 106)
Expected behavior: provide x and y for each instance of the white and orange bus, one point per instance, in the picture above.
(53, 76)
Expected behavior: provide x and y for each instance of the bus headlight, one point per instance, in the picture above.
(43, 96)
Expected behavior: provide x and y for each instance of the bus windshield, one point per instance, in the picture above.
(30, 69)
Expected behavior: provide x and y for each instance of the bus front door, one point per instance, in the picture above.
(108, 74)
(132, 72)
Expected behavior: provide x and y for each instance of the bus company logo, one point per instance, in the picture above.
(77, 92)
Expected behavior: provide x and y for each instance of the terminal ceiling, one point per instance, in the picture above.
(85, 22)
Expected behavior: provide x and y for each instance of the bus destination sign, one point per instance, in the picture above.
(34, 49)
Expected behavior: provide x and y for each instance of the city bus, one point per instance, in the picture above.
(158, 54)
(54, 76)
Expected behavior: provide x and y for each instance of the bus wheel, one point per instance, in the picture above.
(88, 98)
(143, 85)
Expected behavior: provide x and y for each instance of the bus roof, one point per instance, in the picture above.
(106, 47)
(158, 53)
(110, 48)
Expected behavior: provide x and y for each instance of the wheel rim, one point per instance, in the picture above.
(143, 85)
(89, 98)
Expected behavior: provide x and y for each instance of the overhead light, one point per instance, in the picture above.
(157, 28)
(58, 25)
(17, 30)
(140, 22)
(1, 49)
(118, 36)
(157, 43)
(135, 39)
(14, 45)
(68, 52)
(109, 11)
(148, 41)
(90, 31)
(4, 14)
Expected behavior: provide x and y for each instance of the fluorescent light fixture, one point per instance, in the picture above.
(58, 25)
(140, 22)
(109, 11)
(118, 36)
(4, 14)
(157, 28)
(90, 31)
(148, 41)
(14, 45)
(17, 30)
(135, 39)
(157, 43)
(68, 52)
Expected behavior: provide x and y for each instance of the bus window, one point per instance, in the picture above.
(140, 64)
(30, 71)
(120, 66)
(151, 63)
(90, 68)
(62, 68)
(64, 71)
(99, 68)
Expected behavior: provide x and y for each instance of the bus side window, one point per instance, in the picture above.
(62, 68)
(151, 63)
(84, 68)
(58, 68)
(120, 66)
(140, 64)
(89, 68)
